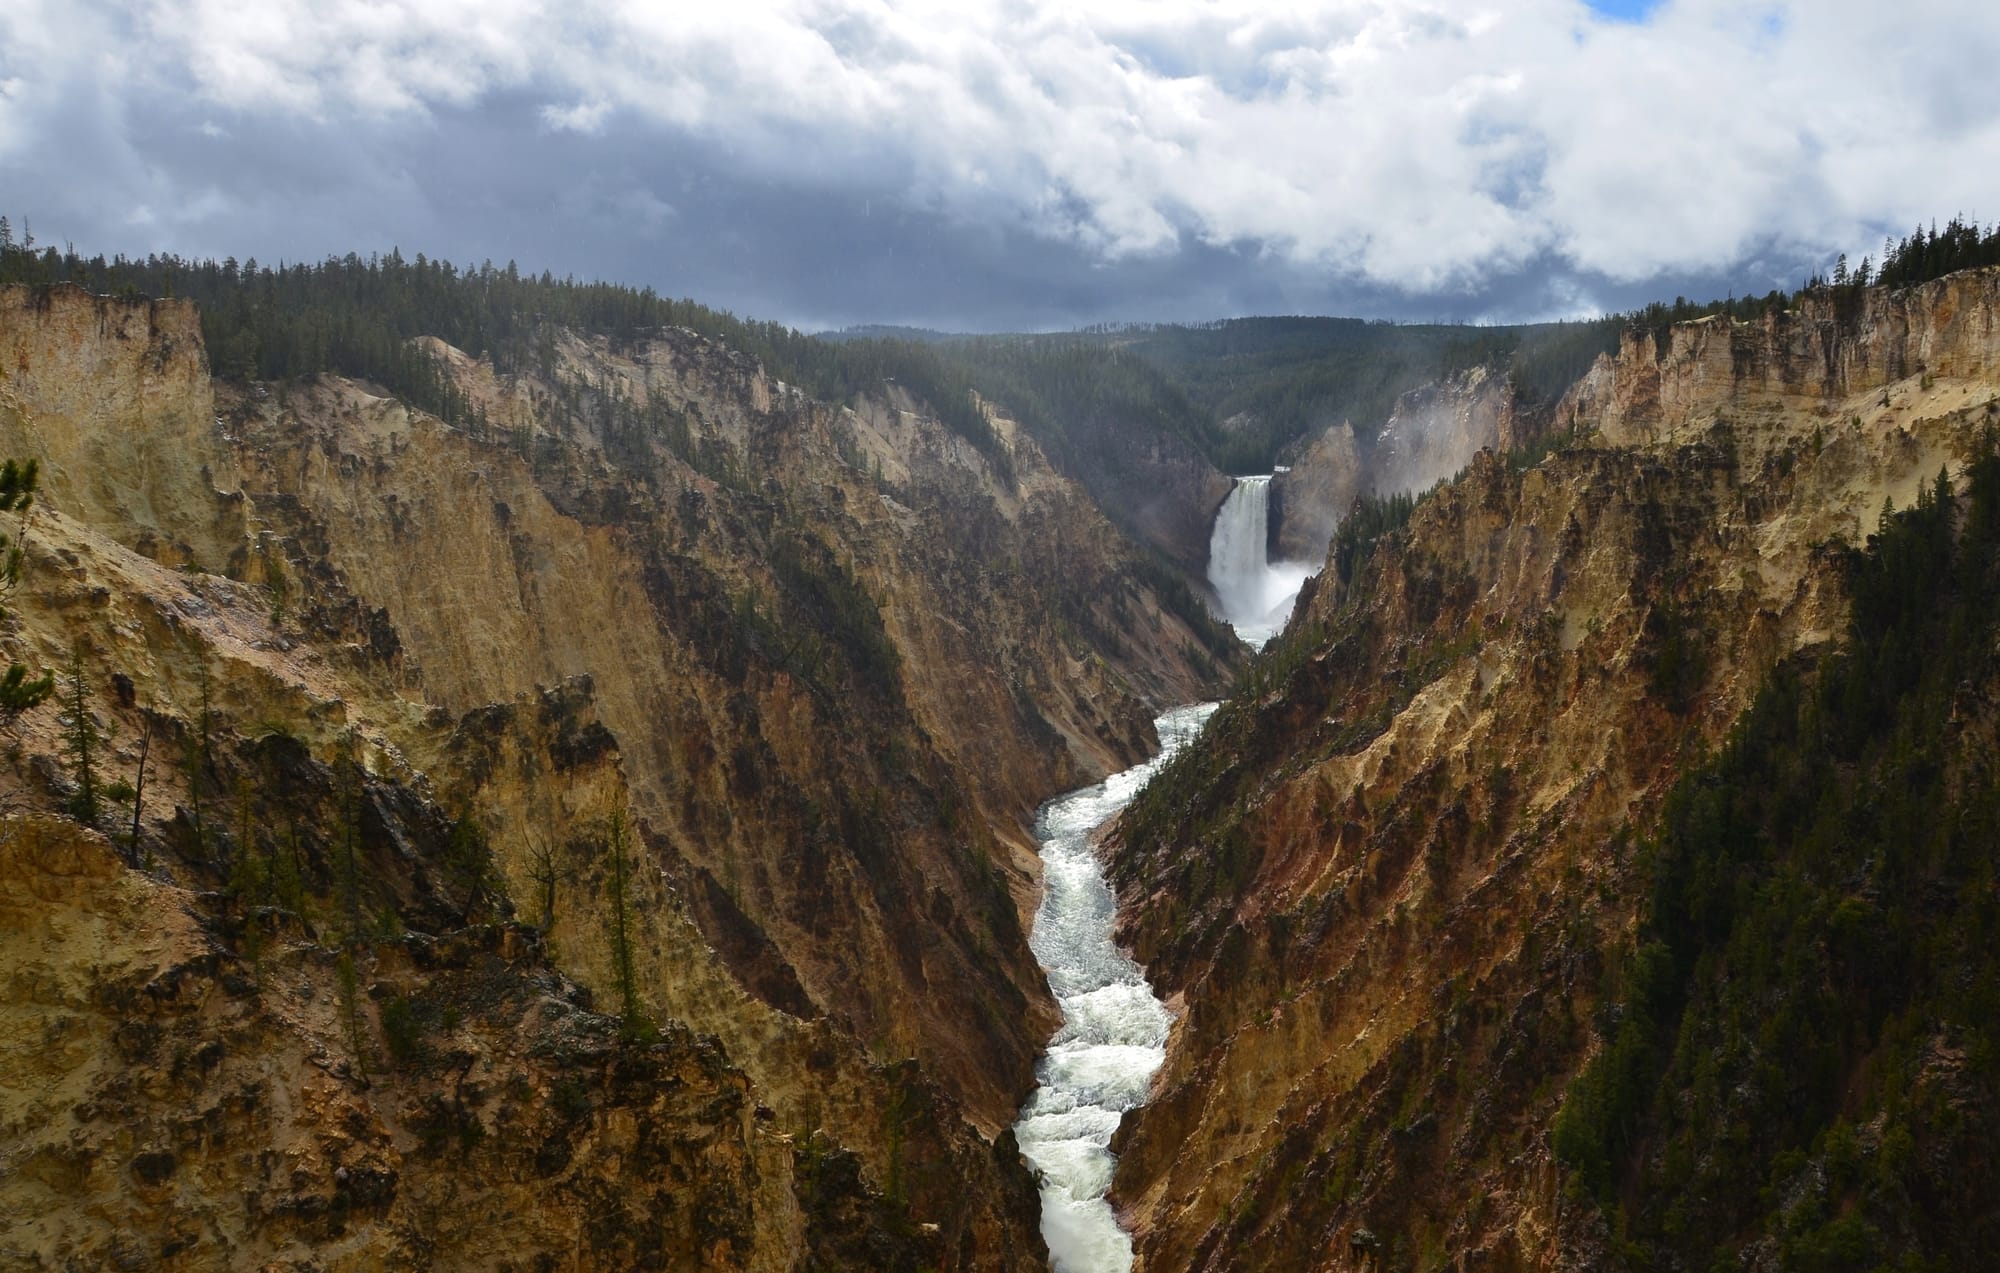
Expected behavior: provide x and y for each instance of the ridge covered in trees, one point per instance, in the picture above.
(1244, 390)
(356, 316)
(1799, 1049)
(1240, 391)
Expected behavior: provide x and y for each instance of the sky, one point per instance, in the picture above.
(1020, 164)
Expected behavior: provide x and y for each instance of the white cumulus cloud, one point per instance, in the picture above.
(1418, 145)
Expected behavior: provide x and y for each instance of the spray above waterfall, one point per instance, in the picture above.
(1255, 594)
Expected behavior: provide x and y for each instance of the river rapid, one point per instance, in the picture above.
(1113, 1037)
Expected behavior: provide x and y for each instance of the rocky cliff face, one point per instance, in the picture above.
(1167, 494)
(1433, 433)
(1313, 493)
(175, 1101)
(1835, 346)
(1382, 890)
(1155, 485)
(805, 659)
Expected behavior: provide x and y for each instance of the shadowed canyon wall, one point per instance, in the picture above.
(431, 714)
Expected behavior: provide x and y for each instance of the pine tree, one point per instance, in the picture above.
(349, 789)
(139, 786)
(80, 740)
(468, 863)
(617, 848)
(197, 758)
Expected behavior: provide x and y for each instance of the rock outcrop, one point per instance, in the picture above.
(1383, 888)
(1432, 434)
(1838, 344)
(1313, 492)
(176, 1103)
(659, 646)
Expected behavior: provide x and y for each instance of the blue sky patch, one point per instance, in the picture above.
(1624, 10)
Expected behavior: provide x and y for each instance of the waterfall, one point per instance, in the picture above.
(1255, 595)
(1236, 561)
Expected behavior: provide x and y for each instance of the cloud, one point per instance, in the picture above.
(1418, 156)
(584, 117)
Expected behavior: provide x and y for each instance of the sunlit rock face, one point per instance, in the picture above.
(1832, 348)
(1311, 494)
(809, 656)
(1386, 893)
(1432, 433)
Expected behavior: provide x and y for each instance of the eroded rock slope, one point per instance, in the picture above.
(430, 715)
(1383, 889)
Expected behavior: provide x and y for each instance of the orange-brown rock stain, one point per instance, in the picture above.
(1385, 898)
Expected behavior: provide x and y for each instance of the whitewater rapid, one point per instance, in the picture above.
(1114, 1032)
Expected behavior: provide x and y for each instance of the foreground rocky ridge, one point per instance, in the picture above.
(804, 656)
(1383, 890)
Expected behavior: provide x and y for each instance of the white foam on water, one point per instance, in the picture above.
(1113, 1038)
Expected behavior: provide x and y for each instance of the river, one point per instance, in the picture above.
(1113, 1037)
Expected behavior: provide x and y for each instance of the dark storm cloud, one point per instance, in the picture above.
(836, 161)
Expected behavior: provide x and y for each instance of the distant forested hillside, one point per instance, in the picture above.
(1240, 390)
(356, 316)
(1280, 379)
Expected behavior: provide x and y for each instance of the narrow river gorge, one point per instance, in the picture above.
(1114, 1032)
(1113, 1038)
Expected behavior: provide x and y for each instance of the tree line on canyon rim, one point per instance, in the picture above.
(1239, 391)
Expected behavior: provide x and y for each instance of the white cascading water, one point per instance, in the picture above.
(1256, 596)
(1114, 1032)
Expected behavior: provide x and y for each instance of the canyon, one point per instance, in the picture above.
(772, 687)
(1384, 889)
(622, 827)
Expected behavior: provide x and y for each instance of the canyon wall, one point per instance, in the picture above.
(1383, 889)
(650, 644)
(1432, 433)
(1158, 487)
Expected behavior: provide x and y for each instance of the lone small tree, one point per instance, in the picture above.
(19, 690)
(80, 740)
(545, 874)
(468, 864)
(197, 756)
(617, 849)
(280, 584)
(349, 790)
(139, 785)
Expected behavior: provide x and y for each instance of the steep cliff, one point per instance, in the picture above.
(1384, 888)
(1838, 343)
(1313, 492)
(658, 647)
(1432, 433)
(1117, 424)
(1160, 488)
(177, 1101)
